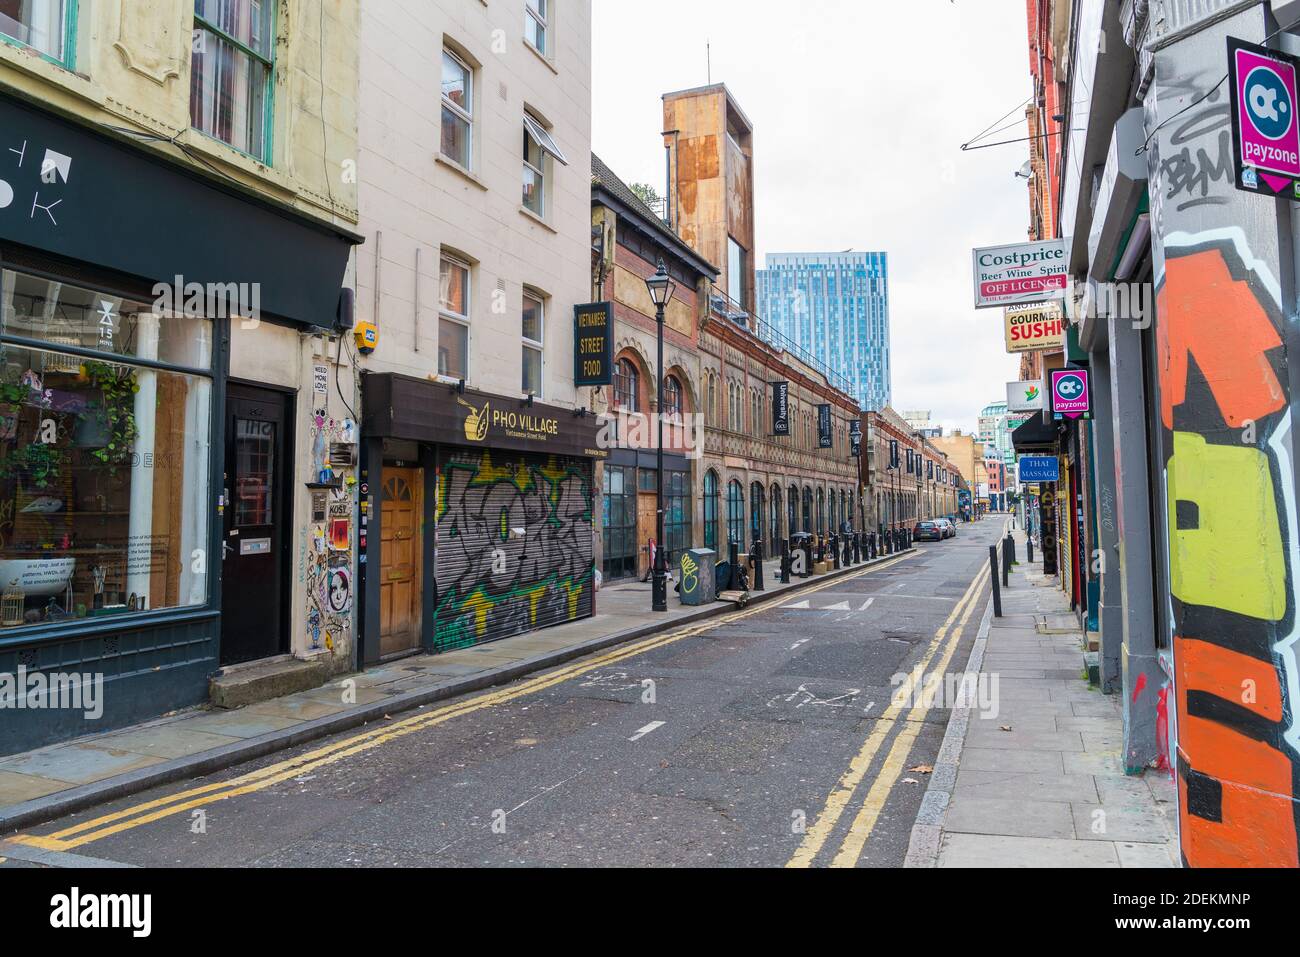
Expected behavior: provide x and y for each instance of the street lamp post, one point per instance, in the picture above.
(661, 289)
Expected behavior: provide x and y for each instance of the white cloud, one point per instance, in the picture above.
(859, 110)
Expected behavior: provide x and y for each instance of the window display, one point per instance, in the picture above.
(103, 461)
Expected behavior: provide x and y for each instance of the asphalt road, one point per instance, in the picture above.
(762, 738)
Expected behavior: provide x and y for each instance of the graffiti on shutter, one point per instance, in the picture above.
(514, 545)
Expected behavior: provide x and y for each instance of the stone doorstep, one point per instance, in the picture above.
(241, 687)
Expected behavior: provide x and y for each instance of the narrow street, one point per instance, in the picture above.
(767, 738)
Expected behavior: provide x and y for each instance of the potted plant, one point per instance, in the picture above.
(118, 388)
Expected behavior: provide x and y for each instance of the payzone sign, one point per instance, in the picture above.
(1266, 133)
(1021, 273)
(1071, 396)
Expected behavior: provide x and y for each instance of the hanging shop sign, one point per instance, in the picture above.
(593, 344)
(1021, 273)
(1071, 394)
(1031, 328)
(1024, 397)
(825, 428)
(1266, 133)
(1033, 469)
(417, 410)
(780, 408)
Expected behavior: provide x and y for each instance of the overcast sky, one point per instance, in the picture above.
(859, 110)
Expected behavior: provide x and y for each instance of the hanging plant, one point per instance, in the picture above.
(118, 387)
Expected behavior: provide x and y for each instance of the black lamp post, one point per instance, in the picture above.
(661, 288)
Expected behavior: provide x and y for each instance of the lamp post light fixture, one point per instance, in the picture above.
(661, 287)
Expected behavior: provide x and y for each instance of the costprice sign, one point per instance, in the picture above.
(1021, 273)
(1031, 328)
(1266, 133)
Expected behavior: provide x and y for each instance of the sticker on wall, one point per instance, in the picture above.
(340, 590)
(340, 534)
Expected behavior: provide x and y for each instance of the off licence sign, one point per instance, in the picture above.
(1035, 327)
(1021, 273)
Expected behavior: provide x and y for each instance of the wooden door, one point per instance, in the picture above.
(400, 586)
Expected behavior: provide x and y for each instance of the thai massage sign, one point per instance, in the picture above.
(1031, 328)
(1265, 132)
(1021, 273)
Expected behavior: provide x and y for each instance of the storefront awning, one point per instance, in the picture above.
(75, 192)
(1035, 436)
(418, 410)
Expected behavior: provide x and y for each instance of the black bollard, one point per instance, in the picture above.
(835, 552)
(1029, 548)
(756, 560)
(785, 561)
(993, 570)
(733, 559)
(807, 558)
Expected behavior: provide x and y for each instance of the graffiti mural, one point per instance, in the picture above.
(515, 547)
(1232, 550)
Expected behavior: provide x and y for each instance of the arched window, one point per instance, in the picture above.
(736, 513)
(756, 513)
(774, 530)
(711, 509)
(834, 512)
(672, 398)
(627, 386)
(821, 511)
(792, 512)
(807, 510)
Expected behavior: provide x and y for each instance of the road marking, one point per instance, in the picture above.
(652, 726)
(159, 808)
(799, 606)
(838, 800)
(798, 644)
(865, 820)
(842, 606)
(867, 604)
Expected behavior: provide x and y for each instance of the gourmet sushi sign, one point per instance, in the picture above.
(1021, 273)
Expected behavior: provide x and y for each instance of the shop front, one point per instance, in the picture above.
(115, 431)
(476, 516)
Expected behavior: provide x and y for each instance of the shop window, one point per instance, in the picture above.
(232, 71)
(104, 485)
(736, 513)
(46, 26)
(711, 510)
(618, 528)
(677, 520)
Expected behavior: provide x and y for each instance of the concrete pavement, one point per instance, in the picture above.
(1039, 781)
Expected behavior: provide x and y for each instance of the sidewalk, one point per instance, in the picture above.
(1040, 784)
(66, 777)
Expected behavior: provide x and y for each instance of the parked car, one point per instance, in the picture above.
(928, 532)
(949, 527)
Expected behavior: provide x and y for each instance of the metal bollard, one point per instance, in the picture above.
(756, 560)
(785, 561)
(807, 559)
(835, 552)
(993, 570)
(1009, 546)
(1029, 548)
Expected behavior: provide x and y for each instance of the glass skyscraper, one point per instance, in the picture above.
(835, 307)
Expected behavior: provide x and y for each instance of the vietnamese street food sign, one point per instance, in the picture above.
(593, 344)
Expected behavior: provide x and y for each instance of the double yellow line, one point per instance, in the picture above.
(150, 811)
(837, 803)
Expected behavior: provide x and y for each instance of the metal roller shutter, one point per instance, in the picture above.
(514, 544)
